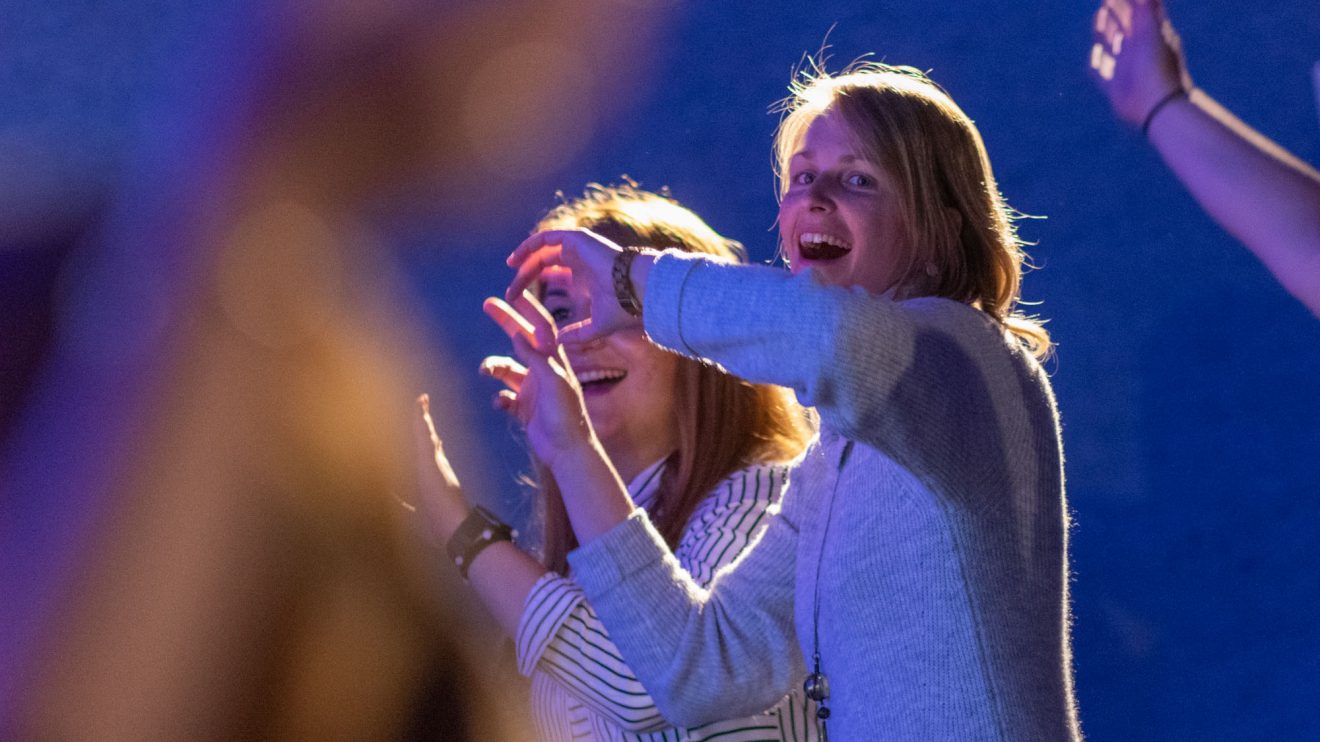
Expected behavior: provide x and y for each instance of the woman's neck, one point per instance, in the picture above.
(630, 461)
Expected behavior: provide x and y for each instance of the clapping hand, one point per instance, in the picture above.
(540, 388)
(440, 502)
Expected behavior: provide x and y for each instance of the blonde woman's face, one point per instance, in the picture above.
(840, 215)
(627, 381)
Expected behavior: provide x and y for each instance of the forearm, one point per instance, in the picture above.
(761, 324)
(703, 656)
(562, 636)
(594, 495)
(502, 575)
(847, 353)
(1255, 189)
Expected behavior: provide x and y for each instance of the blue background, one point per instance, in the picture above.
(1189, 382)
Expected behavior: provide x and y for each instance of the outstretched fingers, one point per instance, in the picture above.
(505, 370)
(507, 401)
(430, 450)
(531, 268)
(424, 432)
(529, 259)
(528, 320)
(534, 243)
(531, 309)
(509, 319)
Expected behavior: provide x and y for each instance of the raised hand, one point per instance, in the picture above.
(1137, 57)
(440, 500)
(591, 258)
(541, 390)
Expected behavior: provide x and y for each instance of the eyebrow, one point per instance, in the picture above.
(810, 154)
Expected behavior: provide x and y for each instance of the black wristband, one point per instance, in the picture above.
(479, 529)
(1166, 100)
(623, 285)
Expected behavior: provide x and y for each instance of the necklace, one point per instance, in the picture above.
(817, 685)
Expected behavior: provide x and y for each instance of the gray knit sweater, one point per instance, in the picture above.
(921, 549)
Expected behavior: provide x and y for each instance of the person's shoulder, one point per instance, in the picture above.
(963, 322)
(948, 313)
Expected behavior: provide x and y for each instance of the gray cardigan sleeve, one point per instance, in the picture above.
(703, 655)
(914, 379)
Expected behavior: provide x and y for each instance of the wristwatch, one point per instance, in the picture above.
(624, 291)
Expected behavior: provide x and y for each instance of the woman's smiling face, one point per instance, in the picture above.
(628, 383)
(840, 215)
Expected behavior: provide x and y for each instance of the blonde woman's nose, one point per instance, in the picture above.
(820, 195)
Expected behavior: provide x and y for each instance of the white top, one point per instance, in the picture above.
(581, 687)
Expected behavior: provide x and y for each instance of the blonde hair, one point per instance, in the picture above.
(724, 423)
(909, 125)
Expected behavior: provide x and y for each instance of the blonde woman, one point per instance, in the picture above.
(919, 562)
(705, 454)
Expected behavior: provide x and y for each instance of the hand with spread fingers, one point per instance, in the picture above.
(1259, 192)
(593, 258)
(1137, 58)
(440, 502)
(542, 392)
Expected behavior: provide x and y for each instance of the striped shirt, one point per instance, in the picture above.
(581, 687)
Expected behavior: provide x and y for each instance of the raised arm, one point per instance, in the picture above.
(1258, 191)
(544, 396)
(908, 378)
(912, 379)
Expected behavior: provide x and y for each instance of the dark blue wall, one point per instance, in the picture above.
(1189, 383)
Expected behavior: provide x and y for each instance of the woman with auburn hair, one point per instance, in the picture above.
(706, 455)
(919, 562)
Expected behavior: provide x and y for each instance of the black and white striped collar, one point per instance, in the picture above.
(643, 487)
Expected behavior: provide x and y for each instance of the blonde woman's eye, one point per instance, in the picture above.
(804, 178)
(860, 180)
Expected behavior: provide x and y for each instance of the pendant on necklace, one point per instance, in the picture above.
(817, 688)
